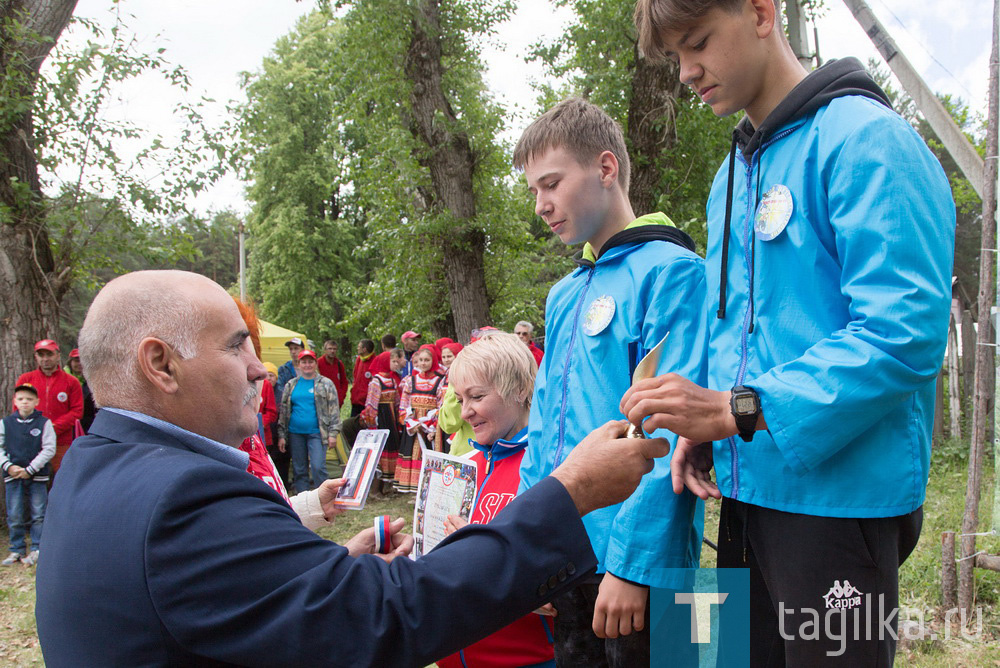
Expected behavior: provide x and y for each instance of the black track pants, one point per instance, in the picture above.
(823, 590)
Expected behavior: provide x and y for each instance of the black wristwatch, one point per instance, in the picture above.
(745, 406)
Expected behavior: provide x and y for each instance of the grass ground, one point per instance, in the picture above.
(919, 576)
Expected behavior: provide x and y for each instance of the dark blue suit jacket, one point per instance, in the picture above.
(157, 554)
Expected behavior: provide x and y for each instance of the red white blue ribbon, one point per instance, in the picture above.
(383, 542)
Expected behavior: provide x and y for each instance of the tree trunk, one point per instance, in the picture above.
(985, 369)
(954, 394)
(949, 575)
(651, 128)
(968, 360)
(452, 165)
(938, 434)
(28, 305)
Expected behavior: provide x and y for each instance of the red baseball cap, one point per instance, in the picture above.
(74, 353)
(410, 334)
(47, 344)
(307, 353)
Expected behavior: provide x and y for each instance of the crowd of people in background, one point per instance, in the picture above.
(404, 390)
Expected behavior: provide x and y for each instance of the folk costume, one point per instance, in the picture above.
(381, 408)
(422, 394)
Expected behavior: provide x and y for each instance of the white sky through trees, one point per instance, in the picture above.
(214, 40)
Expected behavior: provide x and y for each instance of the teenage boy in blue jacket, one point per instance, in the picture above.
(831, 237)
(637, 280)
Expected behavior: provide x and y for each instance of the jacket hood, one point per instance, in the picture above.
(650, 227)
(838, 78)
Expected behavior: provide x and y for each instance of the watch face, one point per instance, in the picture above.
(745, 404)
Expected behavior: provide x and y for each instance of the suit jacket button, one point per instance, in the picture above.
(542, 590)
(561, 575)
(553, 582)
(571, 568)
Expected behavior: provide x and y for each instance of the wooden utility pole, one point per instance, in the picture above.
(986, 370)
(954, 141)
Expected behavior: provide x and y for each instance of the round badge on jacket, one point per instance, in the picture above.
(62, 396)
(774, 212)
(599, 315)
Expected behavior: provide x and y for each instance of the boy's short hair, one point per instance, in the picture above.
(582, 128)
(655, 17)
(367, 345)
(26, 387)
(396, 352)
(502, 361)
(389, 341)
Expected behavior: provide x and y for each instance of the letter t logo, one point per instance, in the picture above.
(701, 613)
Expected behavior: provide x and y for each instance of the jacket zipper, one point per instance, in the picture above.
(747, 316)
(565, 373)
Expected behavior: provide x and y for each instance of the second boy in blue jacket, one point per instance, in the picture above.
(638, 279)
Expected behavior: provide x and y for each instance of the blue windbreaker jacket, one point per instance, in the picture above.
(840, 321)
(656, 286)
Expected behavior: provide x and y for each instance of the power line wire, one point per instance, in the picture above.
(926, 50)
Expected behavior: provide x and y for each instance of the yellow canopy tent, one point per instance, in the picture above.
(272, 342)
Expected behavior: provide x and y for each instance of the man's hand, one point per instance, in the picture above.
(691, 467)
(328, 495)
(675, 403)
(364, 542)
(281, 445)
(605, 468)
(453, 523)
(620, 607)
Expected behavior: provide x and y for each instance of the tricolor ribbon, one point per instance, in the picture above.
(383, 542)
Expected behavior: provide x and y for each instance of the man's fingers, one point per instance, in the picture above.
(651, 448)
(600, 620)
(639, 620)
(625, 625)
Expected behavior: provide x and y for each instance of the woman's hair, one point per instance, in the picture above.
(500, 360)
(249, 315)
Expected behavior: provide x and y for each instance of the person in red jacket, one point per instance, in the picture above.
(331, 367)
(60, 397)
(493, 379)
(525, 331)
(362, 375)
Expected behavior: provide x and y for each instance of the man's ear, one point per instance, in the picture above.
(158, 363)
(766, 17)
(609, 168)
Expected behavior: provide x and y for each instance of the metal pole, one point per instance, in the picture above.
(243, 265)
(798, 33)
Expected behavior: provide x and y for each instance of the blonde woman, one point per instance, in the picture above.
(493, 380)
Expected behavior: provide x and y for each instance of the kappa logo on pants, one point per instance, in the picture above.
(844, 596)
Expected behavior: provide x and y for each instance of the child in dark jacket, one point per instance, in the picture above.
(27, 444)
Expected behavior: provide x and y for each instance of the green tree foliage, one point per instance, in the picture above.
(354, 224)
(673, 136)
(105, 215)
(305, 227)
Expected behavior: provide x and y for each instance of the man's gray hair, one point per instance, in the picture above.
(525, 323)
(120, 317)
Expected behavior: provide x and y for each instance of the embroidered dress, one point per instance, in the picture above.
(422, 394)
(380, 411)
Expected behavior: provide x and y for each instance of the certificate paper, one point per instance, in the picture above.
(360, 469)
(447, 487)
